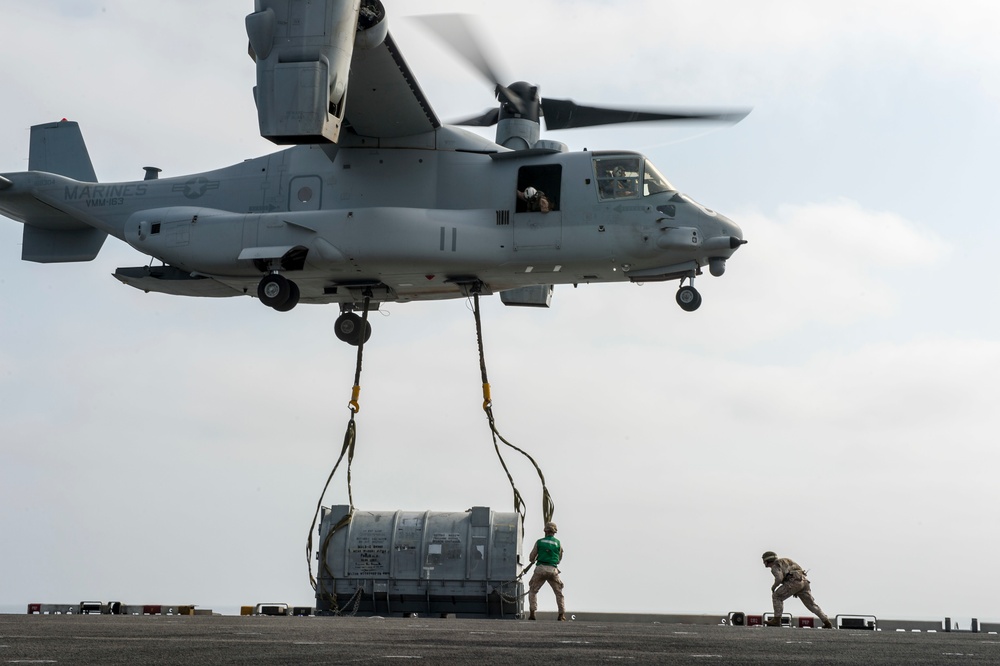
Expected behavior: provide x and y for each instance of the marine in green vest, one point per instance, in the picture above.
(546, 556)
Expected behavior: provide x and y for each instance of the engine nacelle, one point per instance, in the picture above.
(372, 26)
(303, 52)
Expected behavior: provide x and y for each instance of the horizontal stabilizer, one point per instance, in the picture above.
(59, 148)
(51, 246)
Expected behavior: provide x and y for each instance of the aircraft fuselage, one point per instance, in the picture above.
(413, 223)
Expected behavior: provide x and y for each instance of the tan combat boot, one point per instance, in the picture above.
(827, 624)
(531, 615)
(775, 621)
(562, 617)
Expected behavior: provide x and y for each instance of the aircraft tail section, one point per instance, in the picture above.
(50, 235)
(59, 148)
(55, 246)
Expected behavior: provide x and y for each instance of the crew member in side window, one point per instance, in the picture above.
(546, 556)
(790, 581)
(534, 200)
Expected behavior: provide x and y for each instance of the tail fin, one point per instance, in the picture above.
(51, 236)
(59, 148)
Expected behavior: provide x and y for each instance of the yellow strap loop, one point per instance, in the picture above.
(487, 400)
(353, 404)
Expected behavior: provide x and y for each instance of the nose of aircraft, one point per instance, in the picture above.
(724, 228)
(730, 228)
(729, 240)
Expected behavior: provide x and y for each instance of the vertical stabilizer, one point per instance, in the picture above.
(52, 235)
(59, 148)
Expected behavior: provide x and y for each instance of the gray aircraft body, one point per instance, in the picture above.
(376, 200)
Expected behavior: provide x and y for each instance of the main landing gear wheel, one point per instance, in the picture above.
(274, 290)
(348, 329)
(688, 298)
(292, 300)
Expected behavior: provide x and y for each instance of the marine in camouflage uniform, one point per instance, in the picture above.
(790, 581)
(546, 555)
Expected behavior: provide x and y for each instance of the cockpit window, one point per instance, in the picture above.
(653, 181)
(617, 177)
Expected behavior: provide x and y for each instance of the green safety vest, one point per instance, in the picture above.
(548, 551)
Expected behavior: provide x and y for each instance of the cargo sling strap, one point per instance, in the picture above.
(548, 507)
(348, 449)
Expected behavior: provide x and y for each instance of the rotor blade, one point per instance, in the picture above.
(485, 119)
(457, 32)
(565, 114)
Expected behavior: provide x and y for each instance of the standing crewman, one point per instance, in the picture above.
(546, 556)
(790, 581)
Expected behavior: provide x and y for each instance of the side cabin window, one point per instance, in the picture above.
(617, 177)
(538, 188)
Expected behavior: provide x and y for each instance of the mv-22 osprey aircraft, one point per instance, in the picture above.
(376, 200)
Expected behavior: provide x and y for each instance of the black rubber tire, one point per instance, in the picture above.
(292, 300)
(273, 290)
(348, 326)
(688, 298)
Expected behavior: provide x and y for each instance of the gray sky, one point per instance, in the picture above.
(834, 399)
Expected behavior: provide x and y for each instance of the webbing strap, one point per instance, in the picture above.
(524, 571)
(348, 449)
(362, 334)
(350, 439)
(548, 506)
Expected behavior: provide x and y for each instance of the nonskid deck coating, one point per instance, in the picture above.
(103, 639)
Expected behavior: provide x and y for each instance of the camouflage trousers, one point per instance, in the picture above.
(796, 587)
(545, 574)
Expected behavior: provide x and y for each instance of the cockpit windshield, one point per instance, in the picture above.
(617, 177)
(628, 177)
(653, 181)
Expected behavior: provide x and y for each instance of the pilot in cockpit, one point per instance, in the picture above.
(615, 183)
(622, 185)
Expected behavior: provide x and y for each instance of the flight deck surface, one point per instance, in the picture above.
(102, 639)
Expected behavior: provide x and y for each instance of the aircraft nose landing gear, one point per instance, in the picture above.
(278, 292)
(688, 298)
(348, 328)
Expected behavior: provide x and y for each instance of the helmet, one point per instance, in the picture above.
(769, 556)
(551, 527)
(530, 193)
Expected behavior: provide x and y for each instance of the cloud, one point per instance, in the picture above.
(727, 51)
(856, 237)
(826, 263)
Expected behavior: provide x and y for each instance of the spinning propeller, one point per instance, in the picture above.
(520, 100)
